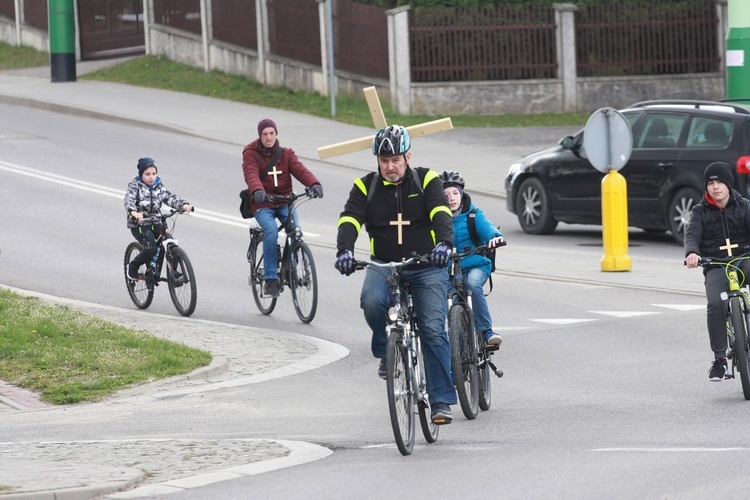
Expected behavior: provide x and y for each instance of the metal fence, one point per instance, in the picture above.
(35, 13)
(651, 38)
(294, 30)
(486, 43)
(360, 39)
(180, 14)
(234, 21)
(8, 8)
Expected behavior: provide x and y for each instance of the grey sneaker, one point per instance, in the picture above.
(492, 338)
(272, 287)
(718, 370)
(441, 414)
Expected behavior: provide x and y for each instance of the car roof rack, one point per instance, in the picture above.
(694, 103)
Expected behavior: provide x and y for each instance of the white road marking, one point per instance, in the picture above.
(563, 321)
(229, 220)
(671, 450)
(682, 307)
(625, 314)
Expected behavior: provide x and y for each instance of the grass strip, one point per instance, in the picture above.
(68, 356)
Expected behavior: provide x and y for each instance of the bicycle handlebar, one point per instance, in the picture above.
(481, 249)
(289, 198)
(414, 259)
(150, 219)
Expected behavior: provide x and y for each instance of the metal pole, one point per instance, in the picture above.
(18, 22)
(331, 64)
(62, 40)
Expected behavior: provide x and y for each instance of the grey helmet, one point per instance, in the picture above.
(451, 178)
(391, 141)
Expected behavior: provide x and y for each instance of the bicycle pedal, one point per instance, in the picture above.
(728, 376)
(491, 348)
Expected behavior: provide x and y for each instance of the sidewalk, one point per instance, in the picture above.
(262, 355)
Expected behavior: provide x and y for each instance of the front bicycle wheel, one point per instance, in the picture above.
(741, 345)
(429, 429)
(400, 393)
(141, 291)
(181, 281)
(303, 281)
(485, 387)
(264, 302)
(464, 360)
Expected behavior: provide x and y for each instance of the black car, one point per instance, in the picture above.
(673, 142)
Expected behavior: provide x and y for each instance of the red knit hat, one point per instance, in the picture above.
(264, 124)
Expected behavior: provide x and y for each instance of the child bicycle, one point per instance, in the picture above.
(296, 265)
(737, 305)
(470, 354)
(179, 271)
(405, 373)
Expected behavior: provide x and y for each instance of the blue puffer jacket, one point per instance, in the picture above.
(461, 237)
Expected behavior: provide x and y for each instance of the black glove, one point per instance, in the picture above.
(345, 262)
(316, 190)
(440, 254)
(259, 196)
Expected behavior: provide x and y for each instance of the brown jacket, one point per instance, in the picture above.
(255, 159)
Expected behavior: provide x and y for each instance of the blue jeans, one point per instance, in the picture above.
(266, 218)
(475, 280)
(429, 288)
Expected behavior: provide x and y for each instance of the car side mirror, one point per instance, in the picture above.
(566, 142)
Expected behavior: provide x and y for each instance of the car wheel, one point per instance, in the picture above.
(533, 208)
(679, 212)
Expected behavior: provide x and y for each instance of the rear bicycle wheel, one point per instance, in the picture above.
(464, 360)
(429, 429)
(265, 303)
(141, 291)
(181, 281)
(400, 393)
(303, 281)
(741, 346)
(485, 387)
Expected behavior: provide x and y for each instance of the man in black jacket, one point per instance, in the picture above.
(404, 210)
(719, 227)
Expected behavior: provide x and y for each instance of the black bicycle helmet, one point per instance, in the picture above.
(391, 141)
(451, 178)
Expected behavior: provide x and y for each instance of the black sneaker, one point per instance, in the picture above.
(441, 414)
(381, 369)
(132, 274)
(718, 370)
(272, 288)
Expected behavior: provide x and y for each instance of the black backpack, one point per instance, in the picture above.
(471, 222)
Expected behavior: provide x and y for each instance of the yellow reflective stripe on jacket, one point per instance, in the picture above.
(431, 174)
(440, 209)
(372, 246)
(361, 185)
(351, 220)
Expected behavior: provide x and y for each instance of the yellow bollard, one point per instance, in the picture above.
(615, 222)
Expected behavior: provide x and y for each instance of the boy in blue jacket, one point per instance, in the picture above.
(476, 268)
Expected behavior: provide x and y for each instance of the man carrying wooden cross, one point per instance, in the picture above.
(719, 228)
(268, 170)
(404, 210)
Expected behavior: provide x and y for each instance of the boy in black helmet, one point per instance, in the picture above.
(720, 220)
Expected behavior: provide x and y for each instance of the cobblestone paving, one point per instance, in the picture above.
(159, 459)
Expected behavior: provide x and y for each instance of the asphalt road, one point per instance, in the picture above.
(605, 392)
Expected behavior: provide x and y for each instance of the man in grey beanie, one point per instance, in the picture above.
(719, 228)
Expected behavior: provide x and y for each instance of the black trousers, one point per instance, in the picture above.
(716, 282)
(146, 236)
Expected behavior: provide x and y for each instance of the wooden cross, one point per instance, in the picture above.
(728, 247)
(378, 119)
(400, 223)
(275, 174)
